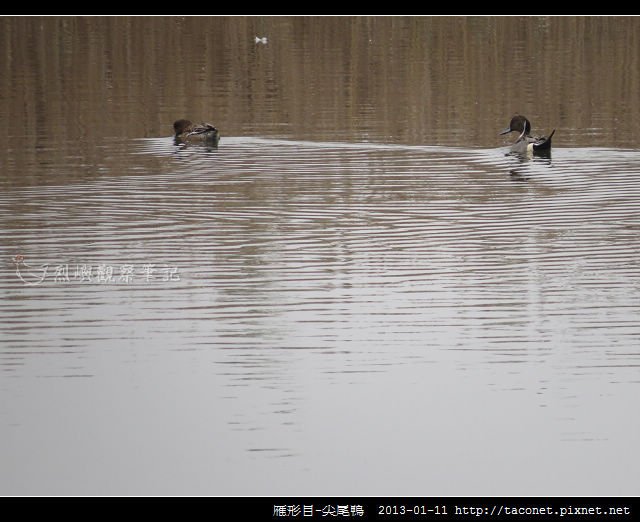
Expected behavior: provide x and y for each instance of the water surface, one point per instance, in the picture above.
(359, 292)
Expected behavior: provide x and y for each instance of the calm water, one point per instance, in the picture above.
(358, 293)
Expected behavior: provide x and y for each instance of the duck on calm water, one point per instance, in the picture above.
(189, 132)
(525, 142)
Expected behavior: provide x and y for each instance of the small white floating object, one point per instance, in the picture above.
(262, 40)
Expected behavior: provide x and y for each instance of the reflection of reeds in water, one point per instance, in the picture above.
(443, 80)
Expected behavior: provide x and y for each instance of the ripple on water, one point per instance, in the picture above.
(333, 267)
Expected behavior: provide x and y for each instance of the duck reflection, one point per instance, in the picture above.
(526, 163)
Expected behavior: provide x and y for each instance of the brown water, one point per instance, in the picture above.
(358, 292)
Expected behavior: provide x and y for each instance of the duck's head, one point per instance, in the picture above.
(181, 126)
(518, 124)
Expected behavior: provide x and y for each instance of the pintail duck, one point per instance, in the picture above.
(525, 142)
(188, 132)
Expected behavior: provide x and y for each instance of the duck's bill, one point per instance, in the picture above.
(505, 131)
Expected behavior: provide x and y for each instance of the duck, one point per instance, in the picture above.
(525, 142)
(188, 132)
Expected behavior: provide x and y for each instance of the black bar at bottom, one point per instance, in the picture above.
(334, 508)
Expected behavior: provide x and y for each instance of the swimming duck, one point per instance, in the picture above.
(525, 142)
(188, 132)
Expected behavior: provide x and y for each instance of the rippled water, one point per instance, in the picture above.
(378, 309)
(360, 292)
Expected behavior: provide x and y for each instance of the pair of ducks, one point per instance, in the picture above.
(186, 131)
